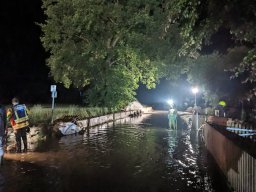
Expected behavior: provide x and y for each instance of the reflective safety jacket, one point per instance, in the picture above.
(172, 114)
(172, 111)
(18, 116)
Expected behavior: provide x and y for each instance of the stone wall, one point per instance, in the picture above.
(103, 119)
(36, 133)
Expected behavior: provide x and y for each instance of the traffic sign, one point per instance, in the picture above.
(53, 88)
(54, 94)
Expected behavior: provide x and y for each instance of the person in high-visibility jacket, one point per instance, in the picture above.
(222, 108)
(18, 117)
(172, 116)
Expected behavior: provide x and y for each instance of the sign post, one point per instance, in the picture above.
(54, 95)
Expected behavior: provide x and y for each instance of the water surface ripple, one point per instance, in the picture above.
(133, 155)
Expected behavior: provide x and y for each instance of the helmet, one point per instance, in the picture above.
(222, 103)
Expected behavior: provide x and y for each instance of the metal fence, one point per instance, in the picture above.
(246, 130)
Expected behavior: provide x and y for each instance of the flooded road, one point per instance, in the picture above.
(136, 155)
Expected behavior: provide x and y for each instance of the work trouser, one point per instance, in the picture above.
(21, 133)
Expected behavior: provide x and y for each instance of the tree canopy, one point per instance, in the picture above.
(106, 46)
(209, 72)
(109, 47)
(200, 20)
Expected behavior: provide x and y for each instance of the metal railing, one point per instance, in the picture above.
(242, 129)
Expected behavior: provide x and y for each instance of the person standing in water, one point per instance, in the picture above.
(172, 116)
(18, 117)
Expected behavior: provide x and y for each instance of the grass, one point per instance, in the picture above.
(39, 114)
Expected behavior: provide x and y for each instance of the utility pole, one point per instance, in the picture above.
(54, 95)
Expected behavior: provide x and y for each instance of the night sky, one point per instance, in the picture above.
(23, 71)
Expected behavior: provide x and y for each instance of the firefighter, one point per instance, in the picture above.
(18, 117)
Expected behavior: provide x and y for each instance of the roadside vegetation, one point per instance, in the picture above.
(40, 114)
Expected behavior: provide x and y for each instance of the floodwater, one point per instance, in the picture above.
(139, 154)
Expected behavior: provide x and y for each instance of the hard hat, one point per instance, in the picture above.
(222, 103)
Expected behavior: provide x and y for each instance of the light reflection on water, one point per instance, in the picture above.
(142, 156)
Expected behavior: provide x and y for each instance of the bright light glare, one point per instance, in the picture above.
(170, 102)
(195, 90)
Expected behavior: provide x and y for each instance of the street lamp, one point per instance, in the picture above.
(170, 102)
(195, 90)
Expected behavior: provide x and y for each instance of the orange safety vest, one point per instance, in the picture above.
(18, 116)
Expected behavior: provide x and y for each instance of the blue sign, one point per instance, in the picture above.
(54, 94)
(53, 88)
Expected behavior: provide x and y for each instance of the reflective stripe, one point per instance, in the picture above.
(20, 120)
(20, 125)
